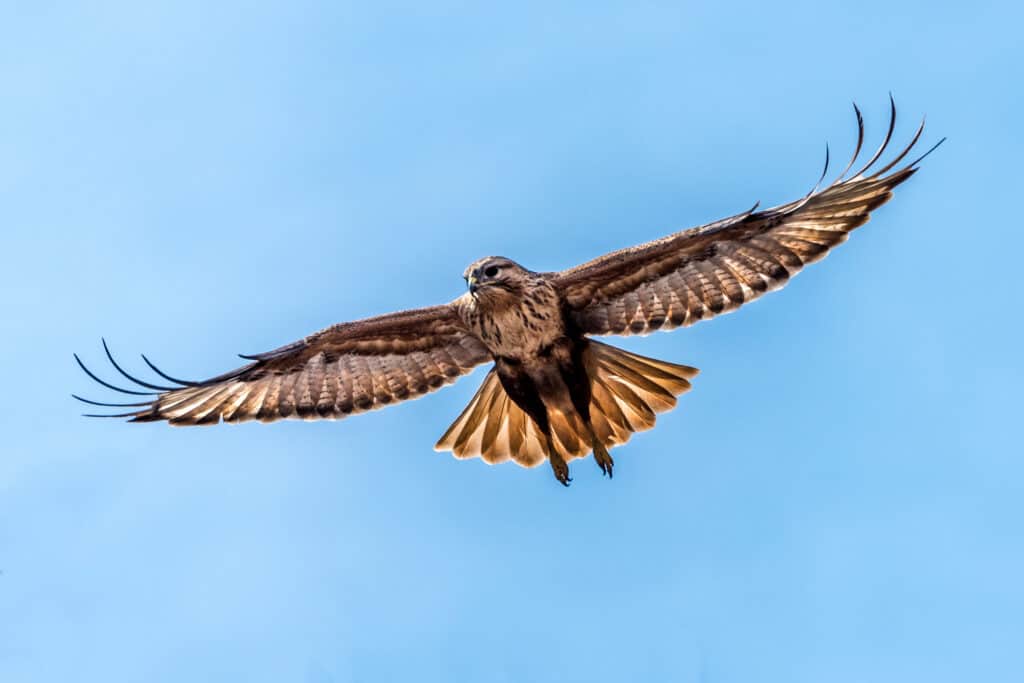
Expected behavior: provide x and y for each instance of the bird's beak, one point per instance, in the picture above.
(471, 281)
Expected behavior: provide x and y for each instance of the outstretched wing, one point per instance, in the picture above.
(344, 369)
(699, 273)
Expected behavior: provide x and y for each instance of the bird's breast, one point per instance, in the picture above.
(520, 328)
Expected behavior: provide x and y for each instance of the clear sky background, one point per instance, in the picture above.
(839, 499)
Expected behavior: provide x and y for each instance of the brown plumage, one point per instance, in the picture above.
(553, 393)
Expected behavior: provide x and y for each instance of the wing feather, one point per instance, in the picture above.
(699, 273)
(344, 369)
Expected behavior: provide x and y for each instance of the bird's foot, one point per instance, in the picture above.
(560, 469)
(603, 459)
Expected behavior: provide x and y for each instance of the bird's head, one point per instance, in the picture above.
(495, 277)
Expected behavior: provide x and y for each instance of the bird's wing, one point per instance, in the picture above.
(699, 273)
(344, 369)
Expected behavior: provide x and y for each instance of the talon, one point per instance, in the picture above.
(604, 460)
(561, 470)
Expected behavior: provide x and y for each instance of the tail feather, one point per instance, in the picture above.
(517, 423)
(627, 391)
(570, 435)
(497, 416)
(532, 452)
(648, 391)
(494, 428)
(639, 415)
(469, 424)
(609, 422)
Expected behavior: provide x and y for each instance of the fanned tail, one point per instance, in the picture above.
(494, 428)
(627, 391)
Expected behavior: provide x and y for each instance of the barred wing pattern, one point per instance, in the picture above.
(344, 369)
(699, 273)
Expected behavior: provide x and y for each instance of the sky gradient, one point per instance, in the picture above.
(839, 499)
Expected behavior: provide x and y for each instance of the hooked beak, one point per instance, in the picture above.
(472, 282)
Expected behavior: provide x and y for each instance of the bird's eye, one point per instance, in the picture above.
(491, 271)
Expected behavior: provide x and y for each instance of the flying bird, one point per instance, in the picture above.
(553, 392)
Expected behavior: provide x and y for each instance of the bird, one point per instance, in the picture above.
(553, 392)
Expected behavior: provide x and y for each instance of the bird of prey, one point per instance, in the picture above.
(553, 393)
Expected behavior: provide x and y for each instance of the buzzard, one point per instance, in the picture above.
(553, 392)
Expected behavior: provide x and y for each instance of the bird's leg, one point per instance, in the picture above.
(558, 464)
(560, 468)
(601, 455)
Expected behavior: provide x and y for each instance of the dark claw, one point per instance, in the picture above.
(603, 459)
(559, 467)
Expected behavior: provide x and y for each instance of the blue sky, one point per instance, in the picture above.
(840, 498)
